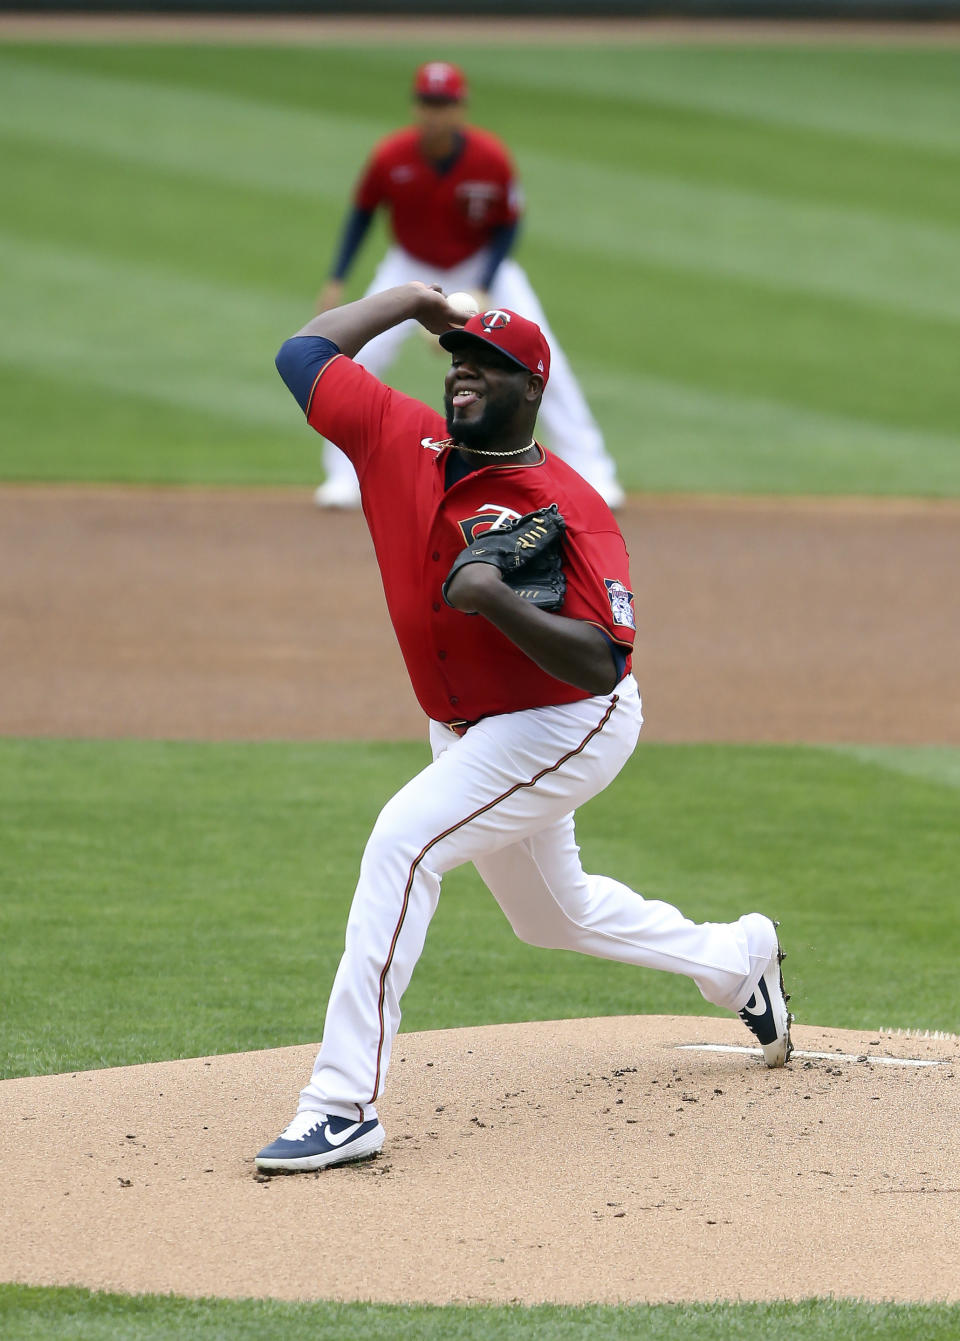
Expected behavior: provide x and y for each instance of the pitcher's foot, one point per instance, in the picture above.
(314, 1140)
(766, 1014)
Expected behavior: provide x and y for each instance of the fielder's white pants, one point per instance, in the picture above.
(569, 427)
(503, 797)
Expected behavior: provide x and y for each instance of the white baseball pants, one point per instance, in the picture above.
(569, 427)
(503, 797)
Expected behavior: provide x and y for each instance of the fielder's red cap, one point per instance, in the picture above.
(439, 81)
(516, 337)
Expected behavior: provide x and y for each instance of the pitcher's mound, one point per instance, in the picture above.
(567, 1161)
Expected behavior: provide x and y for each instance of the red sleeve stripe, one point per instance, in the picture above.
(329, 363)
(621, 642)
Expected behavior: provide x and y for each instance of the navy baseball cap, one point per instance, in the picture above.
(439, 81)
(520, 340)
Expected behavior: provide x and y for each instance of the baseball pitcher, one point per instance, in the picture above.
(508, 585)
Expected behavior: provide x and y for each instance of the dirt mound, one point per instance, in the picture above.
(582, 1160)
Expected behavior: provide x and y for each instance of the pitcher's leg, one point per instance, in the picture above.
(508, 777)
(395, 899)
(551, 901)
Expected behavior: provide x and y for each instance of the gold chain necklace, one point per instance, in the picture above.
(477, 451)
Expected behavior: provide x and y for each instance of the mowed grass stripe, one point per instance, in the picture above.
(791, 247)
(729, 335)
(147, 329)
(906, 97)
(77, 429)
(675, 142)
(212, 136)
(934, 763)
(685, 436)
(212, 231)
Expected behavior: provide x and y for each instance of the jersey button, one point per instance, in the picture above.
(436, 605)
(436, 556)
(454, 700)
(442, 655)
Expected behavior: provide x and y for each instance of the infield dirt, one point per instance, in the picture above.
(242, 614)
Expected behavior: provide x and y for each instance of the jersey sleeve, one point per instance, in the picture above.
(300, 361)
(513, 191)
(598, 584)
(359, 413)
(513, 211)
(501, 240)
(369, 191)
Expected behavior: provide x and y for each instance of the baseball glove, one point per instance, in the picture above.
(528, 553)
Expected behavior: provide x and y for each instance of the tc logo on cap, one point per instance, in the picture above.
(437, 74)
(513, 335)
(439, 81)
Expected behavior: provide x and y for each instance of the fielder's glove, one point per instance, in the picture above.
(527, 552)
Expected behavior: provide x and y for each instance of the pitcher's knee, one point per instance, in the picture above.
(397, 841)
(545, 935)
(387, 850)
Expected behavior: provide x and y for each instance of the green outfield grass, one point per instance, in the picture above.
(176, 900)
(752, 255)
(31, 1315)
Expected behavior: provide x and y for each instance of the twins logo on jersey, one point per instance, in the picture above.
(621, 603)
(477, 199)
(490, 517)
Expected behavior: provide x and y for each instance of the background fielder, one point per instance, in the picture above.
(531, 712)
(454, 205)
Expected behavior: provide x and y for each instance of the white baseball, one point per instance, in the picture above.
(464, 304)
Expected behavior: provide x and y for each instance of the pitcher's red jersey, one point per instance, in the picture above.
(461, 667)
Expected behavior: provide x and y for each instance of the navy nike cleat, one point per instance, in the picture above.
(314, 1140)
(766, 1014)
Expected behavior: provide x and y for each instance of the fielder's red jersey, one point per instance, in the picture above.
(461, 667)
(441, 217)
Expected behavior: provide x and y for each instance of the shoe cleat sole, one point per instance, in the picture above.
(781, 956)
